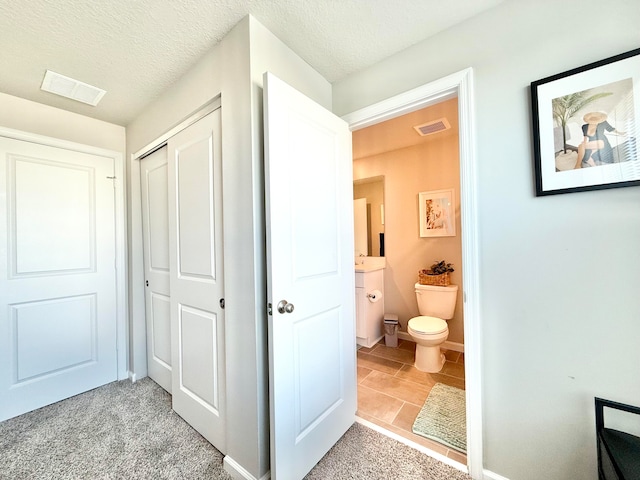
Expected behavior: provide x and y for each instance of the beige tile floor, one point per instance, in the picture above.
(391, 391)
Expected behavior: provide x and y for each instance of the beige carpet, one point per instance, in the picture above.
(128, 431)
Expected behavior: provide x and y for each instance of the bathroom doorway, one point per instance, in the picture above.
(391, 390)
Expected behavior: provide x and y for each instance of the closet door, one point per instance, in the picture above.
(196, 278)
(155, 232)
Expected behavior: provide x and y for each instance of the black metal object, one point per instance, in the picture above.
(618, 452)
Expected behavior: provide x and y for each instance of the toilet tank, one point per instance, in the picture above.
(436, 301)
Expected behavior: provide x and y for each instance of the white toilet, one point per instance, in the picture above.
(430, 330)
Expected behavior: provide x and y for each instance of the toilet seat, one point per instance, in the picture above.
(425, 325)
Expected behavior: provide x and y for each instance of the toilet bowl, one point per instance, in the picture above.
(428, 333)
(436, 304)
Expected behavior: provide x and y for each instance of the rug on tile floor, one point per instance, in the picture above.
(443, 417)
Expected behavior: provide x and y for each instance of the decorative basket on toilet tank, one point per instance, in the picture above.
(437, 274)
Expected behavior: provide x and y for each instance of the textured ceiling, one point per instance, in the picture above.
(135, 49)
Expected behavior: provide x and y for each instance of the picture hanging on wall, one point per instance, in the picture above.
(437, 213)
(585, 126)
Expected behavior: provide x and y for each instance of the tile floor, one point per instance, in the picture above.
(391, 391)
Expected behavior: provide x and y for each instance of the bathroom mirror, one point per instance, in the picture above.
(368, 204)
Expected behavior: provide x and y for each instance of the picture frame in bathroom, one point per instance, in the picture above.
(437, 213)
(585, 125)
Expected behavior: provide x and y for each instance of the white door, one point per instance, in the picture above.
(57, 275)
(155, 233)
(309, 203)
(197, 284)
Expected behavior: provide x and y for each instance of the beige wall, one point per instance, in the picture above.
(433, 165)
(559, 308)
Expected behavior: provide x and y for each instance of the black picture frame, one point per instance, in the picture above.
(585, 124)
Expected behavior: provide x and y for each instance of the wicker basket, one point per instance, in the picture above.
(441, 280)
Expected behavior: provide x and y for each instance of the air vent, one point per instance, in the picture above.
(433, 127)
(70, 88)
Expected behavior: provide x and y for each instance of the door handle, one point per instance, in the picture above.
(285, 307)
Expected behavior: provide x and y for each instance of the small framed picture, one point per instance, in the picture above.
(585, 126)
(437, 213)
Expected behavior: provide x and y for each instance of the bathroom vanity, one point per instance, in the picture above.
(369, 303)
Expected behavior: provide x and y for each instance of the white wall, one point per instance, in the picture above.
(560, 274)
(233, 69)
(20, 114)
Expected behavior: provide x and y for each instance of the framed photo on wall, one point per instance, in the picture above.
(585, 126)
(437, 213)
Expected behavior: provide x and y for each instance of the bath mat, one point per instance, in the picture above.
(443, 417)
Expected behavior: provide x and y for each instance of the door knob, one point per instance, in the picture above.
(285, 307)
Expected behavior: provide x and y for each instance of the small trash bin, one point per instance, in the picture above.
(391, 330)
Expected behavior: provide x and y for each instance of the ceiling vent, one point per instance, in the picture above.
(433, 127)
(70, 88)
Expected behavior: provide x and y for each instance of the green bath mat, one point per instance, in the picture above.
(443, 417)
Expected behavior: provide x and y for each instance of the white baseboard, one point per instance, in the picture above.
(238, 472)
(132, 377)
(488, 475)
(456, 347)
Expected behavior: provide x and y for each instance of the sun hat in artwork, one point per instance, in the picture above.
(594, 118)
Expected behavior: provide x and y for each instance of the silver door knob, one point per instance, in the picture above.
(285, 307)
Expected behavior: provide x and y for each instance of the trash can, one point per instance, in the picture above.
(391, 330)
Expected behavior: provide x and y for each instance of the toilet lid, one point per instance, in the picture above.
(428, 325)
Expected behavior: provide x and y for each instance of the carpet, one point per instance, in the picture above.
(443, 417)
(127, 431)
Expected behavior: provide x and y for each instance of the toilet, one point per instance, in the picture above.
(429, 330)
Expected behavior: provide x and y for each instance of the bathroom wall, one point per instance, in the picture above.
(432, 165)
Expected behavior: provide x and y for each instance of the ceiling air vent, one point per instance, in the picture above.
(433, 127)
(68, 87)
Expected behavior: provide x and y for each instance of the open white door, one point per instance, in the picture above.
(155, 232)
(197, 284)
(309, 209)
(57, 274)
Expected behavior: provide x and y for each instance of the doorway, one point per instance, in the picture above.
(410, 154)
(460, 85)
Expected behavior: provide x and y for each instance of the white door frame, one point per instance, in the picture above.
(460, 84)
(120, 229)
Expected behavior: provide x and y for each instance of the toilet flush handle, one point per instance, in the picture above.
(285, 307)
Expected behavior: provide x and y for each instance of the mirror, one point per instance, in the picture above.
(368, 205)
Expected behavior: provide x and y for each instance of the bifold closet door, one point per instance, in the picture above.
(57, 274)
(196, 277)
(155, 233)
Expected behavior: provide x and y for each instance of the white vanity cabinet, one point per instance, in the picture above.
(369, 315)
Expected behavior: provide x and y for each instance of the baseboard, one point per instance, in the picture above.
(456, 347)
(132, 377)
(238, 472)
(488, 475)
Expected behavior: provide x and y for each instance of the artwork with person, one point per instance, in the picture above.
(588, 126)
(585, 128)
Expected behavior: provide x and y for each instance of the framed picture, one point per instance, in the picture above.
(437, 213)
(585, 126)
